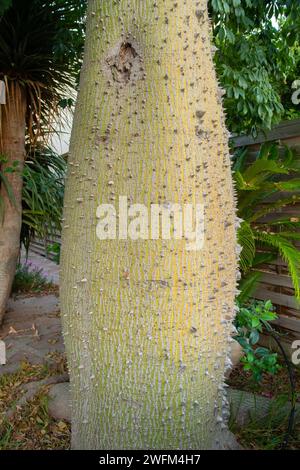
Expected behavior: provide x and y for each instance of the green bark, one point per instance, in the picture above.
(147, 323)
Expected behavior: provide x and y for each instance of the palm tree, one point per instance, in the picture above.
(38, 68)
(147, 323)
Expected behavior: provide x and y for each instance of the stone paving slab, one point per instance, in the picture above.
(31, 329)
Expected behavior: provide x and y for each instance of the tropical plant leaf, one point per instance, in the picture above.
(255, 185)
(291, 222)
(248, 285)
(240, 158)
(263, 258)
(268, 150)
(260, 170)
(289, 155)
(241, 184)
(273, 207)
(40, 50)
(290, 185)
(290, 235)
(43, 191)
(288, 252)
(247, 242)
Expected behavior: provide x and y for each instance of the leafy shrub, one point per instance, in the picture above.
(30, 278)
(251, 320)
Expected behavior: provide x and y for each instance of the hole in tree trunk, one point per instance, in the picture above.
(121, 64)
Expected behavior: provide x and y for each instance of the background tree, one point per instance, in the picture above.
(39, 63)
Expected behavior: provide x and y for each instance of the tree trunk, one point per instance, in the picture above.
(147, 323)
(12, 148)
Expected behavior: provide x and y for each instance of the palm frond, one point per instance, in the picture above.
(247, 242)
(288, 252)
(239, 159)
(273, 207)
(268, 151)
(261, 170)
(293, 223)
(30, 38)
(248, 285)
(291, 235)
(264, 257)
(256, 182)
(43, 191)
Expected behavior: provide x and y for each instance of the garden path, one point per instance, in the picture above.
(50, 269)
(31, 331)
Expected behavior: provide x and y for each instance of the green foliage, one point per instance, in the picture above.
(40, 50)
(54, 249)
(43, 192)
(263, 241)
(266, 432)
(248, 285)
(257, 60)
(4, 5)
(30, 278)
(250, 321)
(41, 47)
(247, 241)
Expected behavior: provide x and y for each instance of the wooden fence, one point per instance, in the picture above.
(276, 284)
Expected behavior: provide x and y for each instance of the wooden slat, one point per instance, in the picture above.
(268, 342)
(291, 323)
(277, 280)
(285, 130)
(277, 262)
(262, 293)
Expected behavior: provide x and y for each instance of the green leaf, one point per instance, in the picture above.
(263, 258)
(262, 351)
(4, 5)
(247, 242)
(248, 285)
(261, 168)
(254, 337)
(255, 323)
(288, 252)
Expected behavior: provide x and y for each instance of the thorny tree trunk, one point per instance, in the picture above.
(12, 148)
(147, 324)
